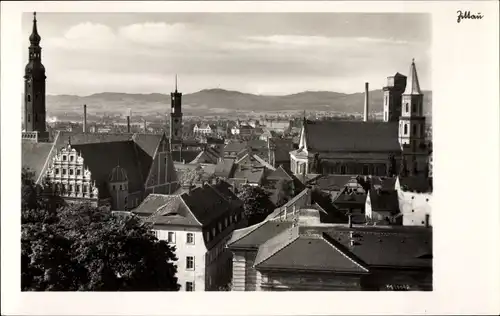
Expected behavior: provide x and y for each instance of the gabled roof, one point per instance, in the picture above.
(235, 146)
(291, 250)
(118, 152)
(352, 136)
(256, 235)
(384, 201)
(35, 157)
(162, 209)
(224, 168)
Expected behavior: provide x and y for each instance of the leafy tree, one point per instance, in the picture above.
(85, 248)
(256, 203)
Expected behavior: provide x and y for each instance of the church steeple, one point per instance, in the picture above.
(176, 116)
(34, 86)
(412, 85)
(34, 38)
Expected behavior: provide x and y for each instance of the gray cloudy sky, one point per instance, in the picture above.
(265, 53)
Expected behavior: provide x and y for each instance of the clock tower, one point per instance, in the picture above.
(176, 117)
(34, 89)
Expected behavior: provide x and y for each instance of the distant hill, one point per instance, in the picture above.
(220, 101)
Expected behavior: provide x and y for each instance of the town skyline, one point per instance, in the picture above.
(285, 53)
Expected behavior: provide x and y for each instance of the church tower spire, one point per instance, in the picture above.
(412, 123)
(34, 87)
(176, 118)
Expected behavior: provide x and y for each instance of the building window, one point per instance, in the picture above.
(414, 130)
(190, 263)
(70, 172)
(406, 129)
(64, 172)
(84, 189)
(342, 169)
(189, 286)
(70, 188)
(57, 170)
(29, 118)
(121, 188)
(171, 237)
(71, 158)
(29, 98)
(78, 189)
(78, 172)
(407, 108)
(64, 157)
(190, 238)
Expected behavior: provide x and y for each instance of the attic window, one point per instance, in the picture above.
(71, 158)
(78, 172)
(64, 157)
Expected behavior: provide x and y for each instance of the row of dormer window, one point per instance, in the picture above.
(222, 225)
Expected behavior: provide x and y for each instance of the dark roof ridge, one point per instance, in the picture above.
(254, 226)
(349, 255)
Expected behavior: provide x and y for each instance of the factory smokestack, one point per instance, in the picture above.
(129, 113)
(85, 118)
(145, 127)
(365, 117)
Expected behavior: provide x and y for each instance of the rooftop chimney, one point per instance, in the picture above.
(365, 117)
(85, 118)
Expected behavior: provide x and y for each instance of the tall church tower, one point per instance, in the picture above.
(34, 89)
(412, 124)
(393, 92)
(176, 117)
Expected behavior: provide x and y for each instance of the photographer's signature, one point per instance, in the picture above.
(466, 15)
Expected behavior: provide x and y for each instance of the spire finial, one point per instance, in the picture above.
(34, 38)
(413, 60)
(34, 16)
(175, 82)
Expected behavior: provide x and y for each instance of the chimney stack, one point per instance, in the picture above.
(128, 120)
(365, 117)
(85, 118)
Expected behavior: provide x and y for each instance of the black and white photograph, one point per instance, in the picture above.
(214, 151)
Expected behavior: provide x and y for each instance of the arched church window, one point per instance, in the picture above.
(406, 129)
(406, 108)
(36, 117)
(29, 98)
(29, 117)
(414, 129)
(121, 189)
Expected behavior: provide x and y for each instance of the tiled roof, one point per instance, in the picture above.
(416, 184)
(162, 209)
(185, 156)
(353, 136)
(256, 235)
(118, 152)
(34, 157)
(250, 173)
(207, 204)
(291, 250)
(384, 200)
(331, 182)
(235, 146)
(224, 168)
(385, 183)
(401, 246)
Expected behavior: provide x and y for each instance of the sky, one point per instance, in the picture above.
(260, 53)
